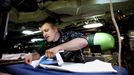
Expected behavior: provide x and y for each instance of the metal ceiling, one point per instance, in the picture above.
(25, 14)
(34, 10)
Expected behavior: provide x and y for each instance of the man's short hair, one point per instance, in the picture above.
(48, 20)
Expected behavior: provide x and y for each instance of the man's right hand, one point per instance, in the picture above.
(28, 58)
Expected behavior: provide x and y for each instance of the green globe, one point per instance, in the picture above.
(105, 40)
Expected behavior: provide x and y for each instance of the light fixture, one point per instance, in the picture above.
(29, 32)
(36, 39)
(107, 1)
(93, 25)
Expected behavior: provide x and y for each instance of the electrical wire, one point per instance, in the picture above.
(6, 27)
(118, 35)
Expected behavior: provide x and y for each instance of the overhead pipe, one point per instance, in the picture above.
(5, 6)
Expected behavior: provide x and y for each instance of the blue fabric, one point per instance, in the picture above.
(24, 69)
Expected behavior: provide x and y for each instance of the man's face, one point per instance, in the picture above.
(49, 32)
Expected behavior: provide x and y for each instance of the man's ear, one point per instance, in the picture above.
(56, 29)
(39, 29)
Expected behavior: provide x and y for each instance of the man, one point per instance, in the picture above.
(71, 42)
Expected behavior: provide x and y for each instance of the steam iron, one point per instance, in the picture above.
(57, 60)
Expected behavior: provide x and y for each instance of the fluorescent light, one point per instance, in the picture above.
(93, 25)
(36, 39)
(29, 32)
(131, 36)
(107, 1)
(122, 37)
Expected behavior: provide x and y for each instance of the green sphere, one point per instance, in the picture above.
(105, 40)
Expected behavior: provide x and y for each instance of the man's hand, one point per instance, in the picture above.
(51, 52)
(28, 58)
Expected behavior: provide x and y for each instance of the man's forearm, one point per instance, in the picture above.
(74, 44)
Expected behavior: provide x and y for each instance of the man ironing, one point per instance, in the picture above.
(71, 42)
